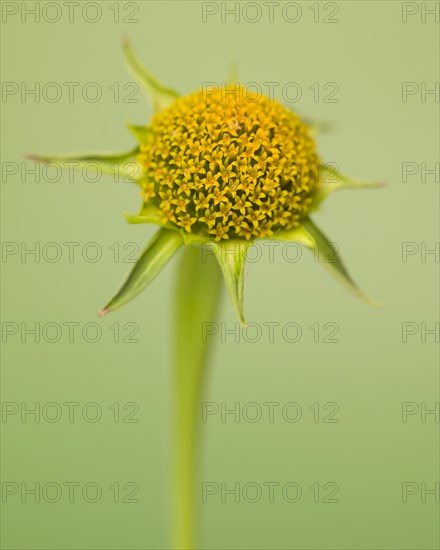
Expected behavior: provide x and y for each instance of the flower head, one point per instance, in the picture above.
(221, 168)
(230, 151)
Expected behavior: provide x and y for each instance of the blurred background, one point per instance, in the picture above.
(320, 432)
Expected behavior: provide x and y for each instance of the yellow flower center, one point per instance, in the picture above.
(229, 164)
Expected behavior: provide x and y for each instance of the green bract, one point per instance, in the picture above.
(221, 174)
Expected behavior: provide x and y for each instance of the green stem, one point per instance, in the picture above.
(198, 285)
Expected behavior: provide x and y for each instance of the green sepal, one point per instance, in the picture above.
(141, 133)
(194, 238)
(325, 252)
(161, 96)
(123, 166)
(231, 256)
(147, 214)
(150, 213)
(329, 180)
(157, 253)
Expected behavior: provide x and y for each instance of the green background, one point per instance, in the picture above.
(370, 452)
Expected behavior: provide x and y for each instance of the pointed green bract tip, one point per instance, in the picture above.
(30, 156)
(374, 303)
(330, 180)
(122, 166)
(240, 315)
(309, 235)
(161, 95)
(156, 255)
(231, 256)
(103, 312)
(39, 158)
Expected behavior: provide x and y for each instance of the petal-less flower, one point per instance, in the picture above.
(219, 168)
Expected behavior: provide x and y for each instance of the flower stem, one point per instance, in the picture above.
(196, 300)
